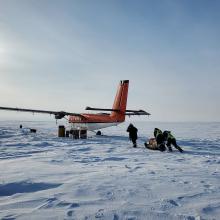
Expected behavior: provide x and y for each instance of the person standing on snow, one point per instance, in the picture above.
(171, 140)
(132, 134)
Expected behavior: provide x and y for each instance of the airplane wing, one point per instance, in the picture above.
(57, 114)
(136, 112)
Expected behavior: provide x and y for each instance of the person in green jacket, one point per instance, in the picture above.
(158, 134)
(171, 140)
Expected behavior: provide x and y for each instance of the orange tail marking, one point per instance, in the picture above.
(120, 101)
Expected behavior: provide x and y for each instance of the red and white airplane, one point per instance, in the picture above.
(95, 121)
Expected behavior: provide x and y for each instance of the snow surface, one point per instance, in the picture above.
(103, 177)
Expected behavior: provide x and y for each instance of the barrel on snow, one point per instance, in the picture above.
(61, 131)
(76, 134)
(67, 133)
(83, 134)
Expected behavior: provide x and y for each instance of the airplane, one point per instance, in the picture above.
(97, 121)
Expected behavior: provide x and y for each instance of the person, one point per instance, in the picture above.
(132, 134)
(156, 143)
(171, 140)
(158, 134)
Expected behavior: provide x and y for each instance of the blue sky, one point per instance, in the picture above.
(65, 55)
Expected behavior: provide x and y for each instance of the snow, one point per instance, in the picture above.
(103, 177)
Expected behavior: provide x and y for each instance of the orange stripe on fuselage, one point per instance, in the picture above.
(94, 118)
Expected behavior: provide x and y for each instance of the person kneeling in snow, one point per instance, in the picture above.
(156, 143)
(171, 140)
(152, 145)
(132, 134)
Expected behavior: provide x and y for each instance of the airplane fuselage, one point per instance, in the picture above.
(94, 121)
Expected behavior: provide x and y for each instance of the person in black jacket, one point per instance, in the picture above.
(132, 134)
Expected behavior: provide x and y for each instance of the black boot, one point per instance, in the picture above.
(162, 147)
(180, 149)
(170, 149)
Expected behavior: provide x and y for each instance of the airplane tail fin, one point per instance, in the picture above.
(120, 101)
(118, 110)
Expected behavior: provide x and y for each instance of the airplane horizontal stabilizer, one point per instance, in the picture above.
(127, 112)
(102, 109)
(136, 112)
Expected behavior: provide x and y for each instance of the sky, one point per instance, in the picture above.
(69, 54)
